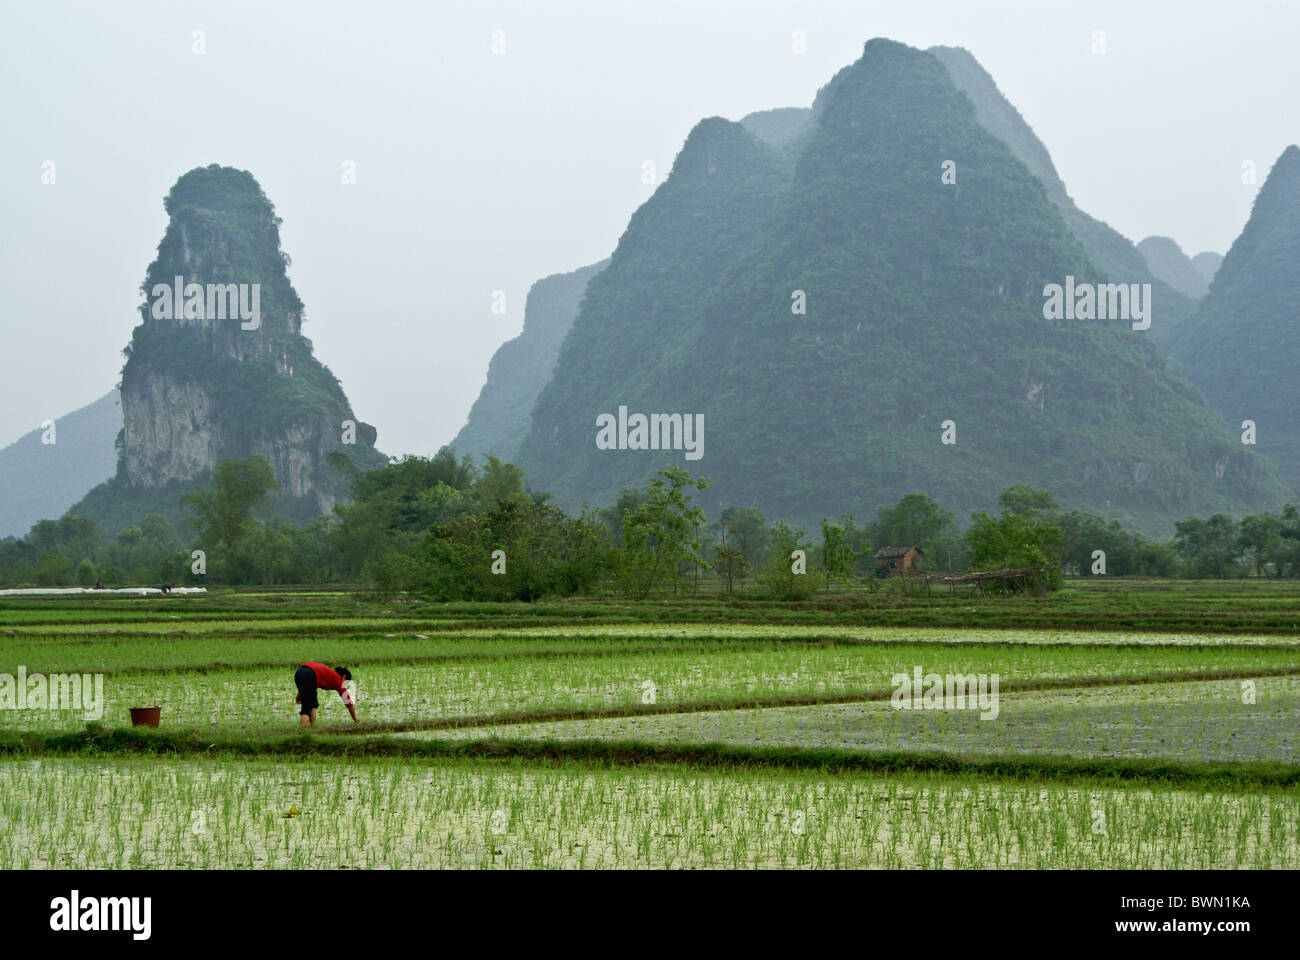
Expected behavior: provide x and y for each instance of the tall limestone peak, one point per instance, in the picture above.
(41, 478)
(642, 314)
(1168, 262)
(1207, 264)
(778, 127)
(218, 366)
(847, 311)
(1111, 251)
(1000, 117)
(1274, 217)
(499, 418)
(223, 230)
(1242, 348)
(709, 190)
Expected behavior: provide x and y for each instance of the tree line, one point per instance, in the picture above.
(445, 529)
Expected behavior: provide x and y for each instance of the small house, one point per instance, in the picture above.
(898, 561)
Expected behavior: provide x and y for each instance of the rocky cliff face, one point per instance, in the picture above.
(169, 431)
(501, 416)
(219, 367)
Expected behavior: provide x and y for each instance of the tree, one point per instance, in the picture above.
(662, 533)
(747, 528)
(779, 580)
(731, 566)
(546, 553)
(1259, 537)
(522, 550)
(837, 556)
(1287, 555)
(1208, 548)
(1085, 533)
(1016, 540)
(44, 535)
(915, 519)
(630, 499)
(499, 483)
(78, 535)
(1022, 498)
(1155, 560)
(223, 513)
(397, 508)
(403, 479)
(87, 573)
(53, 569)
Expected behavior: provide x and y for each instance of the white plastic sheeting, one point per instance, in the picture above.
(60, 591)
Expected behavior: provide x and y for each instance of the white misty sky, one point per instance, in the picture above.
(479, 172)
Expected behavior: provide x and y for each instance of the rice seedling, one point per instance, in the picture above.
(452, 689)
(91, 814)
(1199, 722)
(663, 673)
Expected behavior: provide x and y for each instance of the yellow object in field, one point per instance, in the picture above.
(293, 810)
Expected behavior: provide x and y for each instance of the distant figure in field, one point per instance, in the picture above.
(311, 677)
(166, 588)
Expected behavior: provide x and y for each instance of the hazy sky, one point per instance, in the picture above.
(479, 172)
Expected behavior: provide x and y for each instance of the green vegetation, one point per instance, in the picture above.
(1116, 256)
(297, 814)
(232, 389)
(445, 530)
(1241, 347)
(924, 303)
(604, 674)
(224, 513)
(1191, 723)
(609, 733)
(1023, 536)
(499, 419)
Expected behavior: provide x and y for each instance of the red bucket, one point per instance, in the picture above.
(145, 716)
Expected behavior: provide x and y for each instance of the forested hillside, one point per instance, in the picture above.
(1242, 348)
(924, 304)
(519, 369)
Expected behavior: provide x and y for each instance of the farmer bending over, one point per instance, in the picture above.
(312, 676)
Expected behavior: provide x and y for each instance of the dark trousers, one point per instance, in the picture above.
(305, 679)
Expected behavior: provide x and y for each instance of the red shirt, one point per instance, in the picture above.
(327, 679)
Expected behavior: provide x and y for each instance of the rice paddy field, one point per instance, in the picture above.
(1133, 725)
